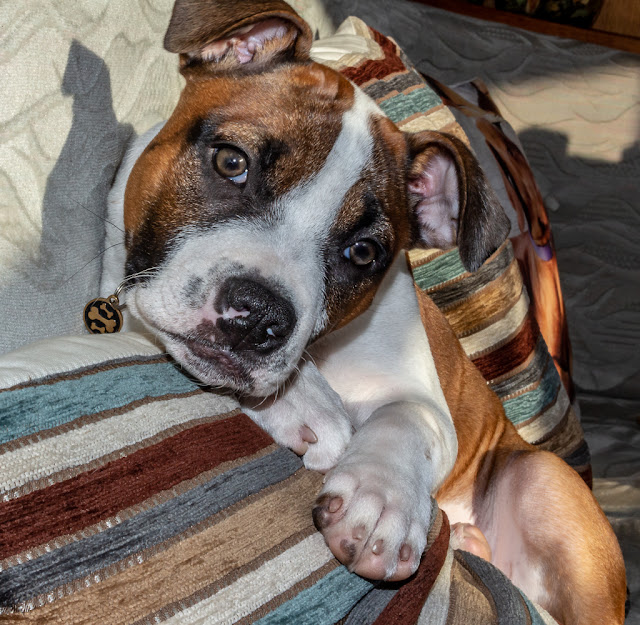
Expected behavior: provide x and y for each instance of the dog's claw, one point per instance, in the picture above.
(308, 435)
(405, 553)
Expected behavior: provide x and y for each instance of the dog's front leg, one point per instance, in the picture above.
(375, 507)
(307, 416)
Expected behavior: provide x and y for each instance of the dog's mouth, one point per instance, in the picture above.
(211, 363)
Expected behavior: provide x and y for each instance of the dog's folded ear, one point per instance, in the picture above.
(232, 34)
(451, 201)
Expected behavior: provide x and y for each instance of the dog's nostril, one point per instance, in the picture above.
(267, 318)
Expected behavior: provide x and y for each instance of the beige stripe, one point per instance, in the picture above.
(81, 446)
(435, 120)
(565, 438)
(485, 339)
(68, 353)
(190, 564)
(436, 607)
(260, 586)
(418, 257)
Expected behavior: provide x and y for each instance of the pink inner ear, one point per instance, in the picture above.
(245, 42)
(439, 201)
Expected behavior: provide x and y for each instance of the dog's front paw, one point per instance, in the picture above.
(374, 519)
(308, 417)
(320, 438)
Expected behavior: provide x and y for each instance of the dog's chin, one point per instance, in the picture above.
(221, 369)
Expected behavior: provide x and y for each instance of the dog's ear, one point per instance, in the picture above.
(451, 201)
(232, 34)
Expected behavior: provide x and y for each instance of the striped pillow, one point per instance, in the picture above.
(129, 494)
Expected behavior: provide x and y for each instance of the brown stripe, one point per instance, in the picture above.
(512, 372)
(76, 424)
(511, 354)
(486, 306)
(381, 69)
(86, 499)
(191, 564)
(407, 603)
(565, 437)
(94, 368)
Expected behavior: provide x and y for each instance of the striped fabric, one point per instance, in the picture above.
(490, 310)
(129, 494)
(490, 314)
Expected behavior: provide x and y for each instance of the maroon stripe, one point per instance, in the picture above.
(383, 68)
(407, 603)
(88, 498)
(510, 355)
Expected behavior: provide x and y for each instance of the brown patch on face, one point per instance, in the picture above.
(285, 121)
(374, 210)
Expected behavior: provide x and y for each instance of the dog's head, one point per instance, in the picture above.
(274, 199)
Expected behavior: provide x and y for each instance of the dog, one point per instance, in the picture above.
(265, 224)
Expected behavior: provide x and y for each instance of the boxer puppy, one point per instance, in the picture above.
(265, 223)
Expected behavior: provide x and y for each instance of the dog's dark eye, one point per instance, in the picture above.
(361, 252)
(231, 163)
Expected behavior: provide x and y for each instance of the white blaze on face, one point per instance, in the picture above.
(286, 251)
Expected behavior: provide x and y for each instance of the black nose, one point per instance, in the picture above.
(254, 317)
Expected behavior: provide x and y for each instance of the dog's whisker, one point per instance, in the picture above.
(101, 217)
(106, 249)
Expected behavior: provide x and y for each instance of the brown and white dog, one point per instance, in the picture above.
(264, 223)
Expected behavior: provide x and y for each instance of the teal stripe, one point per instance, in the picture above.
(325, 603)
(439, 270)
(536, 619)
(529, 404)
(404, 105)
(28, 410)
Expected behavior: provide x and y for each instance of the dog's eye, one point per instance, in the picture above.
(361, 252)
(231, 163)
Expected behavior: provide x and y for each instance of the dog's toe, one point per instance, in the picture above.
(325, 510)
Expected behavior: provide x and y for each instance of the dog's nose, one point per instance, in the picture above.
(263, 320)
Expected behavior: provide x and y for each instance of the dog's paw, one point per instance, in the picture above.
(308, 417)
(374, 519)
(320, 439)
(468, 537)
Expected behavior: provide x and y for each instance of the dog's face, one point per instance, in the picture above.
(275, 197)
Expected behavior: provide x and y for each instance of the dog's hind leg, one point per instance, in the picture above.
(560, 550)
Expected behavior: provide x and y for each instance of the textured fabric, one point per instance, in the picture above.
(129, 494)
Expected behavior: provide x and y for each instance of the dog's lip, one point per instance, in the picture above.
(206, 350)
(203, 354)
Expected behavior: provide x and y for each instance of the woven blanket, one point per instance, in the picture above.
(491, 311)
(129, 494)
